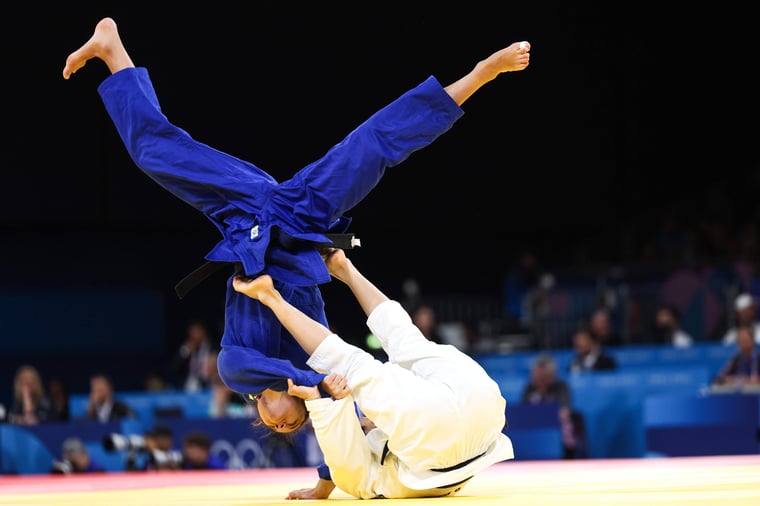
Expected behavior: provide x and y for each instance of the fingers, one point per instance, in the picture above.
(337, 386)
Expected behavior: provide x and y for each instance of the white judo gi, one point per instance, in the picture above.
(434, 407)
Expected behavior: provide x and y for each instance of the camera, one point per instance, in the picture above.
(120, 442)
(140, 455)
(61, 467)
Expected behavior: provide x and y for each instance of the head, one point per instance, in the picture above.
(28, 379)
(667, 317)
(583, 341)
(600, 323)
(160, 437)
(745, 339)
(424, 318)
(57, 390)
(196, 449)
(280, 411)
(74, 452)
(544, 371)
(745, 308)
(101, 388)
(197, 334)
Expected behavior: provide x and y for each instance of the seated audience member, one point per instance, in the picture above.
(30, 405)
(602, 328)
(196, 452)
(745, 313)
(76, 459)
(154, 382)
(188, 367)
(103, 406)
(424, 318)
(59, 399)
(743, 368)
(156, 453)
(590, 354)
(667, 328)
(545, 387)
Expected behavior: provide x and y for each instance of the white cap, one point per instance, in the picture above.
(743, 301)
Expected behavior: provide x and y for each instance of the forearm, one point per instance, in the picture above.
(308, 332)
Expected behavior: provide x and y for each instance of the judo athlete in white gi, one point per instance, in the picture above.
(437, 418)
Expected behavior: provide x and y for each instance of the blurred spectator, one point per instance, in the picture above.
(525, 287)
(545, 387)
(30, 403)
(103, 406)
(196, 452)
(159, 444)
(59, 399)
(589, 353)
(154, 382)
(667, 328)
(188, 367)
(153, 451)
(601, 326)
(745, 313)
(424, 318)
(743, 367)
(76, 459)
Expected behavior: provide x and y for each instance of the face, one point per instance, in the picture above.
(28, 380)
(79, 460)
(100, 390)
(745, 341)
(601, 324)
(197, 334)
(664, 319)
(196, 455)
(542, 376)
(746, 315)
(582, 342)
(281, 412)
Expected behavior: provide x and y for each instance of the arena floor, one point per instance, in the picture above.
(713, 481)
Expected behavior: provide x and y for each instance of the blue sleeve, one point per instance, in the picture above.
(248, 371)
(324, 472)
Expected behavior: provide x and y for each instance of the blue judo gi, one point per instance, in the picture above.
(267, 225)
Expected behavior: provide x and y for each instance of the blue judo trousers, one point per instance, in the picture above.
(265, 223)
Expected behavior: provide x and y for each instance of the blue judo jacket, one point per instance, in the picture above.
(265, 223)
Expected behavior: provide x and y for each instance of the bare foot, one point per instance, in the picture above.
(256, 289)
(512, 58)
(104, 44)
(338, 264)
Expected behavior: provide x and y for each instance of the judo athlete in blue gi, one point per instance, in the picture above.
(435, 417)
(272, 227)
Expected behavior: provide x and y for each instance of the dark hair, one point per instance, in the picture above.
(197, 438)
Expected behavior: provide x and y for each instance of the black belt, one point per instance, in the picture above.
(340, 241)
(439, 470)
(458, 466)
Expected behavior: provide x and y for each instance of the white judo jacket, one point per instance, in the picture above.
(440, 414)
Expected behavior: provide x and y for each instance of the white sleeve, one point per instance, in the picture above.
(345, 448)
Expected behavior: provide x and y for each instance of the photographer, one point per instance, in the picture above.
(75, 460)
(196, 452)
(153, 451)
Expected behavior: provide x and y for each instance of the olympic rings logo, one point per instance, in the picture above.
(246, 454)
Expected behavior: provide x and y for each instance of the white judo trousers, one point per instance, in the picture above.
(435, 406)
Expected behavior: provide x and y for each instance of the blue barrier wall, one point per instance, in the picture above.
(612, 402)
(241, 445)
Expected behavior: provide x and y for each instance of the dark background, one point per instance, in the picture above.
(625, 110)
